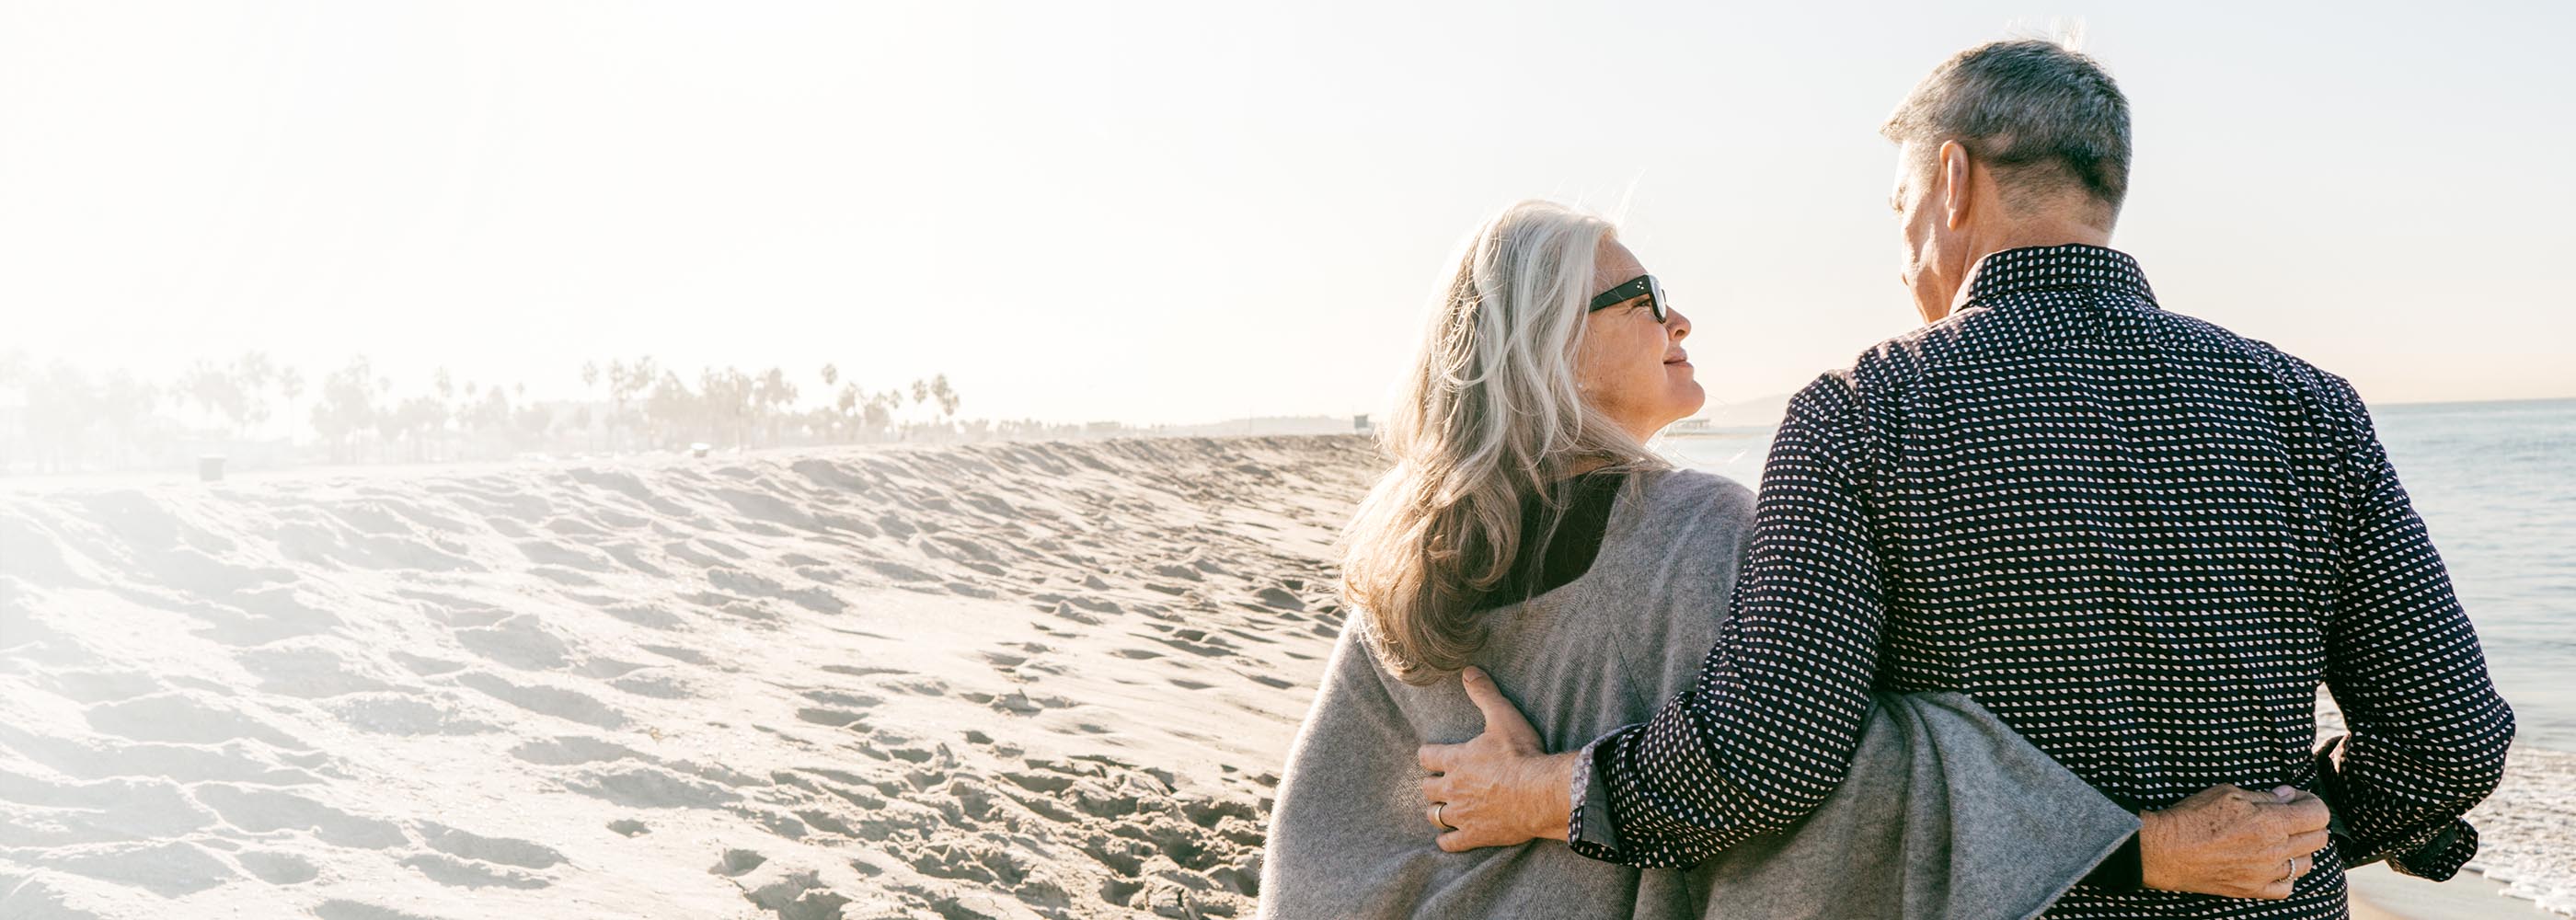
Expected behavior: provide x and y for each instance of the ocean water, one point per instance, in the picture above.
(2496, 485)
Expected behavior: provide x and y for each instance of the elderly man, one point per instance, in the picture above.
(2138, 539)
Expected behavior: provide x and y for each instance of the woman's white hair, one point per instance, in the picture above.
(1490, 416)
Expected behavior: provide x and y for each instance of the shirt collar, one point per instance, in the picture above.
(2073, 265)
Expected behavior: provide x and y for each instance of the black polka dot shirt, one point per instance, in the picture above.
(2140, 540)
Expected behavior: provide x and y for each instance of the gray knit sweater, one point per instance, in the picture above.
(1946, 812)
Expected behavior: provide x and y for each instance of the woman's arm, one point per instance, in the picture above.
(1331, 830)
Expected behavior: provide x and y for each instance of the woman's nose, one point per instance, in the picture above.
(1680, 324)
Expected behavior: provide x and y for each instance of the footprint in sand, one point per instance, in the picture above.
(835, 718)
(644, 786)
(676, 653)
(797, 896)
(264, 810)
(459, 873)
(505, 851)
(574, 750)
(184, 719)
(521, 641)
(657, 683)
(646, 616)
(277, 868)
(306, 671)
(406, 714)
(51, 814)
(553, 701)
(337, 909)
(737, 862)
(171, 869)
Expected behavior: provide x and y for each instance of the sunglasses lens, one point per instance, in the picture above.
(1655, 291)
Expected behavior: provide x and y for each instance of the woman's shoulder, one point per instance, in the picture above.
(1694, 496)
(1679, 515)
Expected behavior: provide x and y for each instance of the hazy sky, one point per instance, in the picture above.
(1177, 212)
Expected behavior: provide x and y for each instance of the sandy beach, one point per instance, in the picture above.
(1005, 681)
(2381, 894)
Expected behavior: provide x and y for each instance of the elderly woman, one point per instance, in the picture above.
(1525, 531)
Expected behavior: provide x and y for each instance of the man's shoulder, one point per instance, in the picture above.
(1893, 365)
(2328, 392)
(1899, 364)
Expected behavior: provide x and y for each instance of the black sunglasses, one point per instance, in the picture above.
(1645, 285)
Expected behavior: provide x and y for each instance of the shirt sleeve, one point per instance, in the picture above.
(2428, 732)
(1769, 728)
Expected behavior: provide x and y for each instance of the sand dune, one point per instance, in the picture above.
(1004, 681)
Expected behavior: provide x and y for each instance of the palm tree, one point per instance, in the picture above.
(626, 381)
(670, 407)
(946, 397)
(618, 382)
(347, 406)
(291, 383)
(444, 385)
(881, 410)
(590, 387)
(847, 420)
(775, 395)
(253, 371)
(920, 396)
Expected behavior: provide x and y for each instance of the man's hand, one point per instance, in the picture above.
(2233, 842)
(1500, 788)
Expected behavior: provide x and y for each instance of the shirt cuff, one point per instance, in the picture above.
(1589, 828)
(2440, 857)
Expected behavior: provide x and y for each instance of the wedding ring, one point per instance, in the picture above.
(1436, 818)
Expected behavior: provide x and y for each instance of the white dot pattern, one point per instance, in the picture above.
(2140, 540)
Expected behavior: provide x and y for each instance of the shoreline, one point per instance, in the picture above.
(2379, 893)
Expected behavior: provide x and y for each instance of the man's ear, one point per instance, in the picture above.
(1955, 169)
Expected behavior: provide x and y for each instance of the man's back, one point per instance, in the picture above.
(2138, 539)
(2116, 527)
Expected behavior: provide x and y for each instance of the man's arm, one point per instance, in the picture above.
(1768, 730)
(1762, 737)
(2429, 732)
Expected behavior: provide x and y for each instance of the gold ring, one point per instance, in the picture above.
(1439, 815)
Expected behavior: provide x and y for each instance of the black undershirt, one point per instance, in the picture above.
(1577, 541)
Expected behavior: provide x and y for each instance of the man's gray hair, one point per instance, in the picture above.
(2040, 113)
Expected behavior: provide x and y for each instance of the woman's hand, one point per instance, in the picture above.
(2233, 842)
(1500, 788)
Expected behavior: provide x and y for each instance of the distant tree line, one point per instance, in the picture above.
(72, 419)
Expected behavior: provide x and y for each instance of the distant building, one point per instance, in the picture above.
(1691, 426)
(1360, 423)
